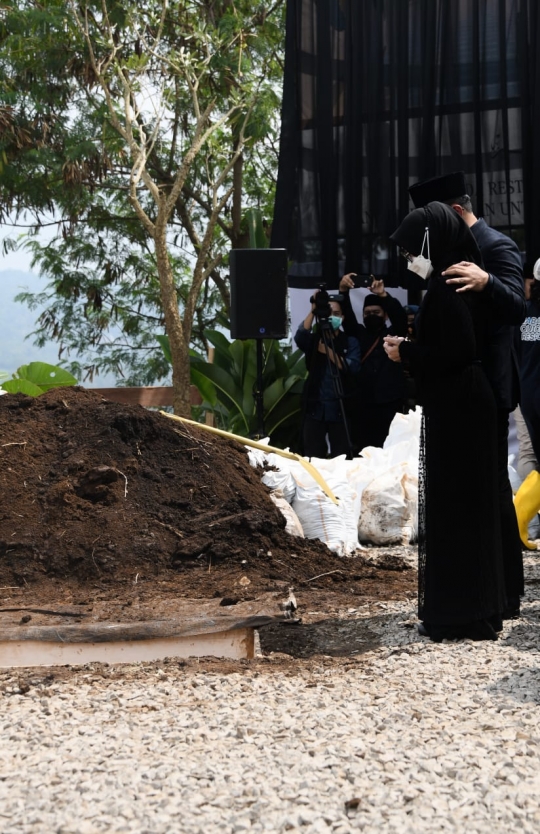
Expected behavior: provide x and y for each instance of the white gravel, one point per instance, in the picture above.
(410, 737)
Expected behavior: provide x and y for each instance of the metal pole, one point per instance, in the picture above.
(258, 390)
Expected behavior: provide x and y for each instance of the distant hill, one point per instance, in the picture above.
(17, 322)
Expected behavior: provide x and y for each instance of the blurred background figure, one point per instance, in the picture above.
(380, 390)
(332, 360)
(411, 311)
(411, 396)
(527, 500)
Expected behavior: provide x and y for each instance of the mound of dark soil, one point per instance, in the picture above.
(108, 494)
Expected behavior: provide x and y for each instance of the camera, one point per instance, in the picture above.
(364, 281)
(321, 299)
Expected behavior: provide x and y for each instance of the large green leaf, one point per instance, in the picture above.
(46, 376)
(222, 356)
(22, 386)
(165, 347)
(276, 392)
(228, 393)
(297, 364)
(206, 387)
(275, 364)
(288, 411)
(238, 353)
(248, 401)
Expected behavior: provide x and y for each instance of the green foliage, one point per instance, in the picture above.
(64, 162)
(227, 386)
(257, 235)
(36, 378)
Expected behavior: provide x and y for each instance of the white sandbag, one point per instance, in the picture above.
(256, 457)
(404, 427)
(410, 485)
(293, 526)
(335, 472)
(320, 518)
(280, 476)
(385, 516)
(359, 473)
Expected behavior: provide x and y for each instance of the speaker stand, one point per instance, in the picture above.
(258, 393)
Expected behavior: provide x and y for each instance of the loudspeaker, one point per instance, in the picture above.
(258, 293)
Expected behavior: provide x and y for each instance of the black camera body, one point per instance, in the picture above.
(321, 299)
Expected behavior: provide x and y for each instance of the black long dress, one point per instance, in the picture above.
(460, 552)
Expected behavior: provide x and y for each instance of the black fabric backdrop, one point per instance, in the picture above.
(381, 93)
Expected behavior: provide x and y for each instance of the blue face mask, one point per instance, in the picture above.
(335, 321)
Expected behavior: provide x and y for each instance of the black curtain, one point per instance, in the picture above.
(381, 93)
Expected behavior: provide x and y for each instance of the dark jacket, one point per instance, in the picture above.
(505, 288)
(321, 400)
(380, 380)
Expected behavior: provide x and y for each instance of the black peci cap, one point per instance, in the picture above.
(373, 300)
(445, 187)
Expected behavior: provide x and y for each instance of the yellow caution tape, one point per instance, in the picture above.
(246, 441)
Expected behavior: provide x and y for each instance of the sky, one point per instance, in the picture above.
(17, 321)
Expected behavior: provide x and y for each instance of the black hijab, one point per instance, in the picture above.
(450, 239)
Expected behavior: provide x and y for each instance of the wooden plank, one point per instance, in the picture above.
(235, 644)
(104, 632)
(150, 396)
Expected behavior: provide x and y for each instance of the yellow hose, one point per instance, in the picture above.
(256, 445)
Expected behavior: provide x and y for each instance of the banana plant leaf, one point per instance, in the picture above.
(45, 376)
(22, 386)
(205, 386)
(165, 347)
(227, 391)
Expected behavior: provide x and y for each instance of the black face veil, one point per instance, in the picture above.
(450, 239)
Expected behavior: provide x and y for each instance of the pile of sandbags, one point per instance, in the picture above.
(377, 491)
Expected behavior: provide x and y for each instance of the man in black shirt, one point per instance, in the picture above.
(381, 388)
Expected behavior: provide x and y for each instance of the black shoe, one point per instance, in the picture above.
(437, 633)
(496, 622)
(511, 612)
(479, 630)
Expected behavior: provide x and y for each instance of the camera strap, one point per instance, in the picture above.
(370, 351)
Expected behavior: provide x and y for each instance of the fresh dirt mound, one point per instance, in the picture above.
(107, 494)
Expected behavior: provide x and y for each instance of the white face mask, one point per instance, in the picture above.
(421, 265)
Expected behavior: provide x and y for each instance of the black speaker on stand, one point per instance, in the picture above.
(258, 280)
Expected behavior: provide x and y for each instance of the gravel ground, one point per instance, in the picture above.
(408, 736)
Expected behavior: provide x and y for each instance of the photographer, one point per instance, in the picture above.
(380, 386)
(332, 358)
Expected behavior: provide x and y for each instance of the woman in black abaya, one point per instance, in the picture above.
(461, 590)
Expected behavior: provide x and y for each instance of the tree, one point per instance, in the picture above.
(145, 146)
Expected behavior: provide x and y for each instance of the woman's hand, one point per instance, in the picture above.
(391, 346)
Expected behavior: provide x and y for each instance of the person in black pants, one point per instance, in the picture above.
(324, 410)
(501, 279)
(381, 389)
